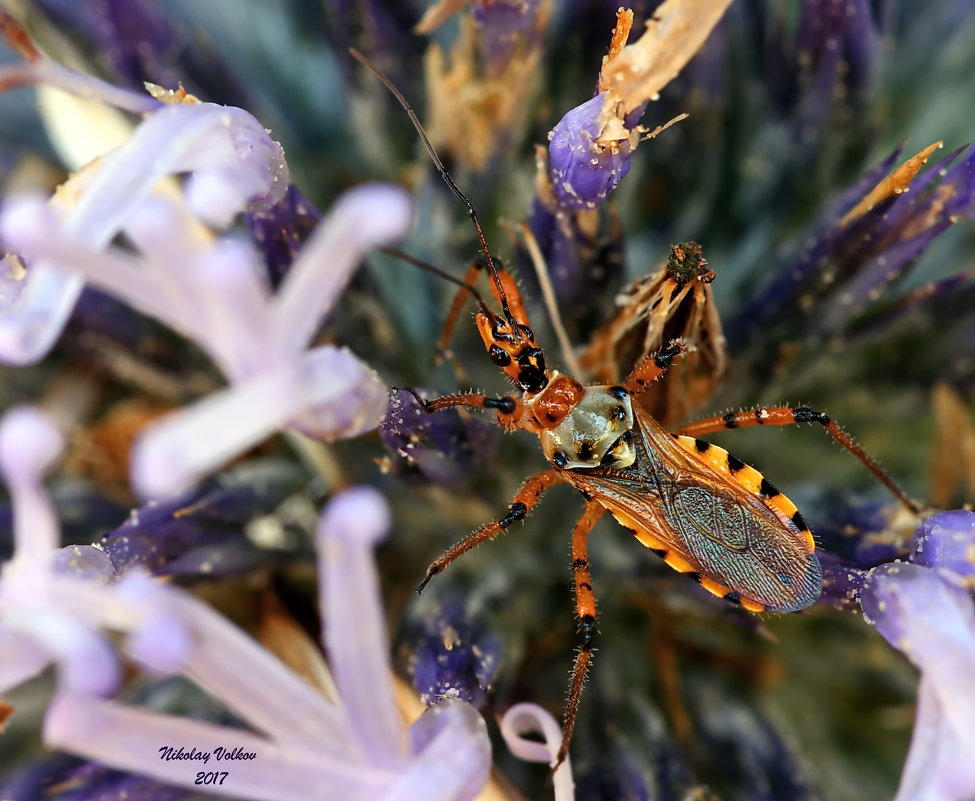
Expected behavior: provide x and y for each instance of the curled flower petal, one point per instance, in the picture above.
(523, 718)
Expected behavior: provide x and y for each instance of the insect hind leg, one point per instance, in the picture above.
(792, 415)
(521, 506)
(586, 614)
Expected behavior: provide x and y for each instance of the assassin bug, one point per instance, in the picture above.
(704, 512)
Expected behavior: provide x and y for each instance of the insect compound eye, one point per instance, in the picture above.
(499, 356)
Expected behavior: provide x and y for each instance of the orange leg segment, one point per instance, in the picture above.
(586, 613)
(521, 506)
(509, 409)
(791, 415)
(511, 292)
(652, 367)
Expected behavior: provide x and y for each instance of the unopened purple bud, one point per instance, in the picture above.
(947, 541)
(454, 656)
(279, 231)
(584, 172)
(442, 448)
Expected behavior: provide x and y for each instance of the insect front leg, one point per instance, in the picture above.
(792, 415)
(521, 506)
(509, 408)
(652, 367)
(586, 614)
(512, 296)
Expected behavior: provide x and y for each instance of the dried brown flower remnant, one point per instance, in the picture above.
(676, 302)
(5, 713)
(170, 96)
(473, 111)
(102, 451)
(673, 35)
(953, 453)
(896, 183)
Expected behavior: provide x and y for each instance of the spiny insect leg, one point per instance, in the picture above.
(511, 293)
(586, 613)
(521, 506)
(509, 409)
(450, 324)
(791, 415)
(652, 367)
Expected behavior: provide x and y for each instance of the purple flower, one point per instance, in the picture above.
(830, 60)
(870, 237)
(134, 38)
(280, 230)
(946, 542)
(586, 164)
(443, 448)
(583, 255)
(209, 288)
(203, 531)
(453, 656)
(590, 147)
(306, 744)
(932, 621)
(43, 591)
(506, 29)
(505, 26)
(523, 719)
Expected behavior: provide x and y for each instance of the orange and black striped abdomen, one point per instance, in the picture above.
(712, 517)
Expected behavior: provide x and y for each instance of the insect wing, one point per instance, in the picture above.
(703, 523)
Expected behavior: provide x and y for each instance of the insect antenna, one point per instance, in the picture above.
(426, 267)
(488, 259)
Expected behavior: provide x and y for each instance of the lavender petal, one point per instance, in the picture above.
(361, 219)
(131, 739)
(946, 541)
(354, 634)
(21, 658)
(327, 393)
(452, 755)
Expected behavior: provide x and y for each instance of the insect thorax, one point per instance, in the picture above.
(594, 433)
